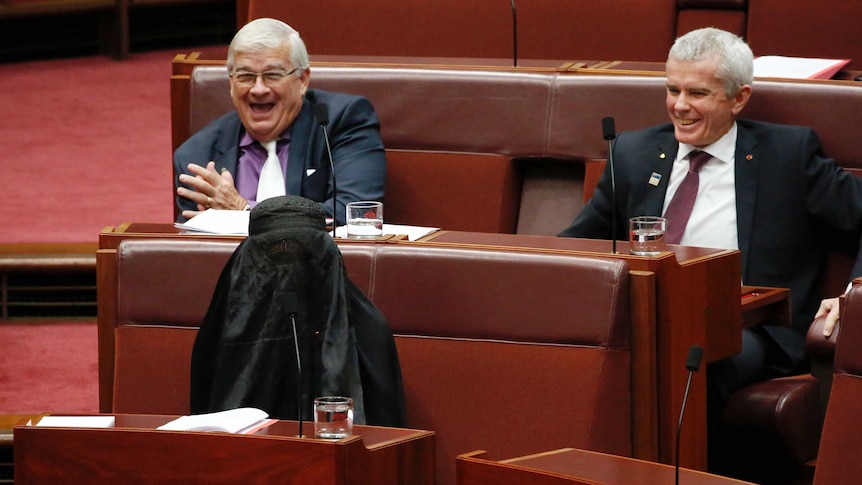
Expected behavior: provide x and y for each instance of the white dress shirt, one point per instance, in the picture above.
(713, 219)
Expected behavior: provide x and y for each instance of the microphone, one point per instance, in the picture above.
(321, 114)
(514, 35)
(609, 133)
(292, 303)
(695, 353)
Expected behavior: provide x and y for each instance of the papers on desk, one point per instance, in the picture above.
(797, 67)
(77, 421)
(224, 222)
(212, 221)
(240, 421)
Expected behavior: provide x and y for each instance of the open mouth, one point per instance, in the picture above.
(686, 122)
(261, 107)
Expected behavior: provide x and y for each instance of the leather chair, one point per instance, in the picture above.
(770, 431)
(838, 457)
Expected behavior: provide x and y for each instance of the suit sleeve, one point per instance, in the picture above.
(357, 155)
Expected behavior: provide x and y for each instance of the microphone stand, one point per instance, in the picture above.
(299, 372)
(695, 353)
(613, 197)
(609, 133)
(321, 113)
(514, 36)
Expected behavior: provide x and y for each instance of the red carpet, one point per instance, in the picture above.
(48, 367)
(85, 144)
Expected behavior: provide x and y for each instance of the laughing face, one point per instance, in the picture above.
(268, 107)
(699, 107)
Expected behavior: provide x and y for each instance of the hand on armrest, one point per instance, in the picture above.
(820, 344)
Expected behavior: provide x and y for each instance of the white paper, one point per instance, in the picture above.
(412, 232)
(230, 421)
(213, 221)
(77, 421)
(224, 222)
(797, 67)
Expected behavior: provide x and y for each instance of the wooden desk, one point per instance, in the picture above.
(697, 302)
(571, 466)
(765, 305)
(134, 451)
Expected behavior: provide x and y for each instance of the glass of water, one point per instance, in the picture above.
(647, 235)
(333, 417)
(364, 219)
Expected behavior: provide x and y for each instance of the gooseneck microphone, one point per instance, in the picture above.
(291, 302)
(514, 35)
(321, 114)
(609, 133)
(695, 353)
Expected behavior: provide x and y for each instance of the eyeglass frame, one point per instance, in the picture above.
(262, 75)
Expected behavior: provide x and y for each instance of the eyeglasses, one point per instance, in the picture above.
(247, 79)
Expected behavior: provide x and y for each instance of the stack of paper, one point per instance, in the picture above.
(240, 420)
(797, 67)
(77, 421)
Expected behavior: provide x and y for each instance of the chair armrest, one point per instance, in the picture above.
(818, 345)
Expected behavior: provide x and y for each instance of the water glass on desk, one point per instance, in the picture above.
(647, 235)
(364, 219)
(333, 417)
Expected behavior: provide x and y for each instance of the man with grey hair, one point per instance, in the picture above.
(763, 188)
(272, 144)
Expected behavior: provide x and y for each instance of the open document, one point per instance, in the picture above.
(240, 421)
(797, 67)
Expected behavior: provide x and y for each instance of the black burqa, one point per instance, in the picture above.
(244, 353)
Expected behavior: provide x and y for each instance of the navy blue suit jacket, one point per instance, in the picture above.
(357, 152)
(791, 203)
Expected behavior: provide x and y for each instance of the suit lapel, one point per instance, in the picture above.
(227, 147)
(746, 169)
(298, 154)
(660, 164)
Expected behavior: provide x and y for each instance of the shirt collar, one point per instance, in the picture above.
(245, 140)
(724, 149)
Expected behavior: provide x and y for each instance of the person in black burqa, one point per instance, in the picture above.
(244, 353)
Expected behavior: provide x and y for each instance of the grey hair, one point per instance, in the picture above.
(266, 33)
(735, 59)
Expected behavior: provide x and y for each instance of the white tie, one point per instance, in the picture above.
(271, 182)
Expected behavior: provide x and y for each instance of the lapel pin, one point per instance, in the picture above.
(749, 157)
(654, 179)
(662, 156)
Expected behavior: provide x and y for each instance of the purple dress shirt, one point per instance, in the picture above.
(251, 159)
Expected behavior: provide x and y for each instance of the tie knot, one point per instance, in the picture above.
(270, 146)
(697, 159)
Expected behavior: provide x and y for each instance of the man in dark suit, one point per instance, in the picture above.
(224, 165)
(765, 189)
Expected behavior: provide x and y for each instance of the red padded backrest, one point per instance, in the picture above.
(151, 369)
(443, 28)
(157, 284)
(601, 31)
(514, 353)
(806, 28)
(729, 20)
(729, 15)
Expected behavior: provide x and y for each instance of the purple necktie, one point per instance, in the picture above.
(679, 209)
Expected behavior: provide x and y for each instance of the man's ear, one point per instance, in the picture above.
(304, 78)
(741, 98)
